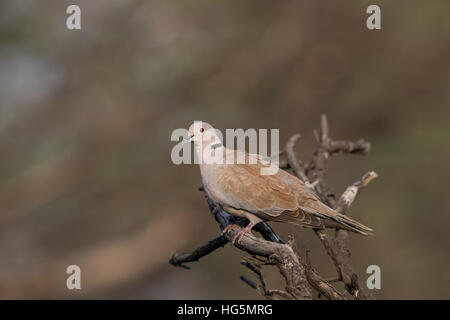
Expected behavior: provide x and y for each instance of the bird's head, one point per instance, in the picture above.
(202, 133)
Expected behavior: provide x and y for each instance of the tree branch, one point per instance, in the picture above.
(320, 284)
(299, 276)
(179, 259)
(294, 163)
(282, 255)
(338, 249)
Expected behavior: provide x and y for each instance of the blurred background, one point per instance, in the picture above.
(86, 118)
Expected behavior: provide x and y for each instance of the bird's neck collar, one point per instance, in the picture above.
(215, 145)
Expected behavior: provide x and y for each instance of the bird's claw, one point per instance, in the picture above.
(238, 235)
(241, 232)
(228, 227)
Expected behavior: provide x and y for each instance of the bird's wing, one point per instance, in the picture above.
(309, 202)
(279, 197)
(242, 186)
(307, 198)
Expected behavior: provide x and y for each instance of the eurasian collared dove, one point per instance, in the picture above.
(241, 189)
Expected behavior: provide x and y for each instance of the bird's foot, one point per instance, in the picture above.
(241, 232)
(228, 227)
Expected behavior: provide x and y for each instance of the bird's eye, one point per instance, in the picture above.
(202, 129)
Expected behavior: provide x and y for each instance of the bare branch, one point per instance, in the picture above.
(359, 147)
(178, 259)
(352, 191)
(293, 162)
(282, 255)
(300, 277)
(338, 249)
(320, 284)
(255, 267)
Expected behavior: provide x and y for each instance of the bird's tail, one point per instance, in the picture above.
(338, 220)
(352, 225)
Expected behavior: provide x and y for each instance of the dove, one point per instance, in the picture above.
(241, 189)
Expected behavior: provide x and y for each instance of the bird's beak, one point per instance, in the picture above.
(188, 139)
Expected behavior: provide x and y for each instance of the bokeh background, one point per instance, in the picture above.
(86, 118)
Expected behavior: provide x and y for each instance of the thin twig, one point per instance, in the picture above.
(295, 164)
(321, 285)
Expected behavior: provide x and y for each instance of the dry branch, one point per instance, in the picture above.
(338, 248)
(210, 246)
(299, 276)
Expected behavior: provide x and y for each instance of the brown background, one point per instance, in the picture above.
(86, 118)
